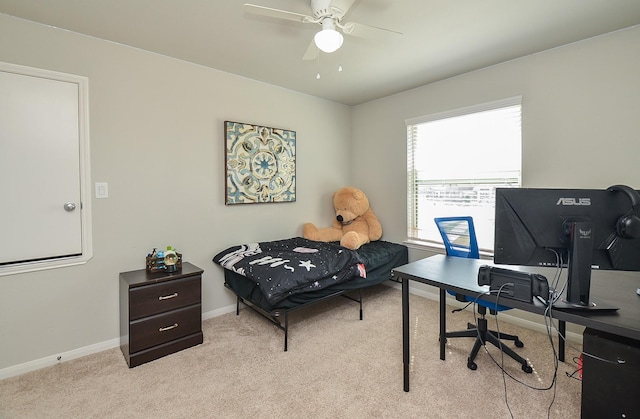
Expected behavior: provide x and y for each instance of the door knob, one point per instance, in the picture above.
(69, 206)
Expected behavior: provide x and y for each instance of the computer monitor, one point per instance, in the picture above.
(581, 229)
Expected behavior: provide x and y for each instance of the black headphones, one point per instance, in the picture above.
(628, 226)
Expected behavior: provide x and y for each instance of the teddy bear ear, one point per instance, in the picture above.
(358, 194)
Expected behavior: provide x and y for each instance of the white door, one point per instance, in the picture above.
(40, 204)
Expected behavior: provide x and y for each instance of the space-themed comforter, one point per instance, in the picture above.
(290, 266)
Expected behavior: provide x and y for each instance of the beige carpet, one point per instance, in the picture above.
(337, 366)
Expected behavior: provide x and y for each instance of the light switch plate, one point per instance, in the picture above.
(102, 190)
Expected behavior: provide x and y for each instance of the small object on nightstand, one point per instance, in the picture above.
(157, 260)
(638, 291)
(170, 260)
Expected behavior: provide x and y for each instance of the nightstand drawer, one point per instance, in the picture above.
(165, 296)
(161, 328)
(160, 313)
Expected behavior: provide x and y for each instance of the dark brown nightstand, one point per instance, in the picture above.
(160, 313)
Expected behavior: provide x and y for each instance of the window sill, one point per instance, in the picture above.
(438, 248)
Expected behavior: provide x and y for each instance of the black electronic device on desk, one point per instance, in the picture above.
(582, 229)
(517, 285)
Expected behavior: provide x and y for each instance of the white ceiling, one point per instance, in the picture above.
(441, 38)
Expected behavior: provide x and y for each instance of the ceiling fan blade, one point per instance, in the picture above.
(312, 52)
(370, 32)
(276, 13)
(343, 5)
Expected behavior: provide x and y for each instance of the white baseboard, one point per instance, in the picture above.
(51, 360)
(218, 312)
(54, 359)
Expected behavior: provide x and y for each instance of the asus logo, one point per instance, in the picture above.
(574, 201)
(584, 233)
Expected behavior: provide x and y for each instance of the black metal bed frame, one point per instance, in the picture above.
(274, 316)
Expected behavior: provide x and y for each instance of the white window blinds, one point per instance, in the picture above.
(455, 161)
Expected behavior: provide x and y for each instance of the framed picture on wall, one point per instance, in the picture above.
(260, 164)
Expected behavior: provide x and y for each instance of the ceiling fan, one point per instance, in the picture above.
(329, 14)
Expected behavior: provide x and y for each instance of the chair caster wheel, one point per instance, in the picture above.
(519, 343)
(471, 365)
(527, 369)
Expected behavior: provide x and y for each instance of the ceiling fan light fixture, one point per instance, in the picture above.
(328, 39)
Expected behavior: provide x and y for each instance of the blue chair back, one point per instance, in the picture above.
(459, 236)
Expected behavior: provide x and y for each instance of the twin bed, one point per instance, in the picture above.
(278, 277)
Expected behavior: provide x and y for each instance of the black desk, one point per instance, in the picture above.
(460, 274)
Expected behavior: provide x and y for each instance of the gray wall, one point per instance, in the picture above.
(580, 123)
(156, 120)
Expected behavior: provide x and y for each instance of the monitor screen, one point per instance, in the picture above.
(581, 229)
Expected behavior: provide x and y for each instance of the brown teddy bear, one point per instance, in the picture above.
(355, 223)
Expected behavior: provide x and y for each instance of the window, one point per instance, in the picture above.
(456, 160)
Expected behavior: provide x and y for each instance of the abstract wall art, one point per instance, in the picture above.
(260, 164)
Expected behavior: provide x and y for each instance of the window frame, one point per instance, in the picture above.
(412, 206)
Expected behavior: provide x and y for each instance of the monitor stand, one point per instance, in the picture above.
(581, 240)
(595, 305)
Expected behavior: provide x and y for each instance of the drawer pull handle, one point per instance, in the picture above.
(167, 297)
(164, 329)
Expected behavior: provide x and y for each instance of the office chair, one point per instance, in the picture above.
(459, 237)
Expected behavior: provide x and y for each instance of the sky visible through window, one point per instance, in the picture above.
(478, 145)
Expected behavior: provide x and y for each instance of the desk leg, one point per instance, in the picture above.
(405, 331)
(443, 322)
(562, 330)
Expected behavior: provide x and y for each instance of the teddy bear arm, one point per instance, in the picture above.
(328, 234)
(375, 231)
(375, 228)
